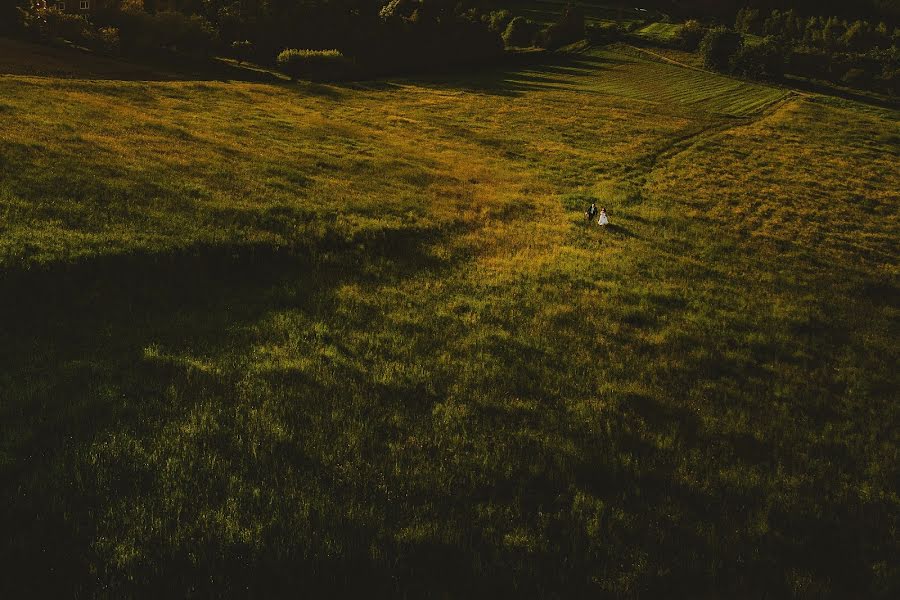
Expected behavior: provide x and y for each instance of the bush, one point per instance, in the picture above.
(164, 33)
(690, 34)
(604, 33)
(718, 47)
(499, 20)
(748, 21)
(30, 24)
(569, 29)
(763, 60)
(314, 65)
(520, 32)
(73, 28)
(108, 40)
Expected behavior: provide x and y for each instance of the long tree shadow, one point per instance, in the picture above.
(39, 60)
(554, 71)
(513, 77)
(76, 360)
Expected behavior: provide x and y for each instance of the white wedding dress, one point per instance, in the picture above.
(603, 220)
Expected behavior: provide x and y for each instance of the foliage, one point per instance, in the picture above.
(762, 60)
(109, 40)
(499, 20)
(178, 32)
(718, 46)
(690, 35)
(314, 65)
(74, 28)
(136, 32)
(426, 44)
(856, 53)
(521, 33)
(748, 21)
(604, 33)
(569, 29)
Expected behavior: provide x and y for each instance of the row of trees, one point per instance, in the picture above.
(769, 44)
(860, 53)
(888, 10)
(374, 36)
(827, 33)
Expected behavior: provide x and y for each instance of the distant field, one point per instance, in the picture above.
(615, 73)
(357, 340)
(660, 32)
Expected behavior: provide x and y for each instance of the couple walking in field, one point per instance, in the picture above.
(592, 212)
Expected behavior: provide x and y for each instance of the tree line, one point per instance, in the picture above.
(312, 37)
(857, 53)
(727, 9)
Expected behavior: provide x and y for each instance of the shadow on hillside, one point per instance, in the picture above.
(37, 60)
(74, 365)
(828, 89)
(545, 72)
(517, 75)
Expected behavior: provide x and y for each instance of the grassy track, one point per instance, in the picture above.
(359, 338)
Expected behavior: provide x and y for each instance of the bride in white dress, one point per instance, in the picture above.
(603, 220)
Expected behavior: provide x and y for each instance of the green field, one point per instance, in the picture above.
(660, 32)
(357, 338)
(634, 75)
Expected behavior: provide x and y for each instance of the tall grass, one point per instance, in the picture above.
(358, 338)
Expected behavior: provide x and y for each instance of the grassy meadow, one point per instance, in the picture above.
(263, 338)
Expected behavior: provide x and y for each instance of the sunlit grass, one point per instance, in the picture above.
(360, 338)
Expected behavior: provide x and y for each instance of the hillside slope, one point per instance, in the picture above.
(358, 337)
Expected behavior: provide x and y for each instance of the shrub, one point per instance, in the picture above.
(146, 35)
(718, 47)
(520, 32)
(314, 65)
(570, 28)
(108, 40)
(748, 21)
(73, 28)
(29, 23)
(499, 20)
(763, 60)
(690, 34)
(604, 33)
